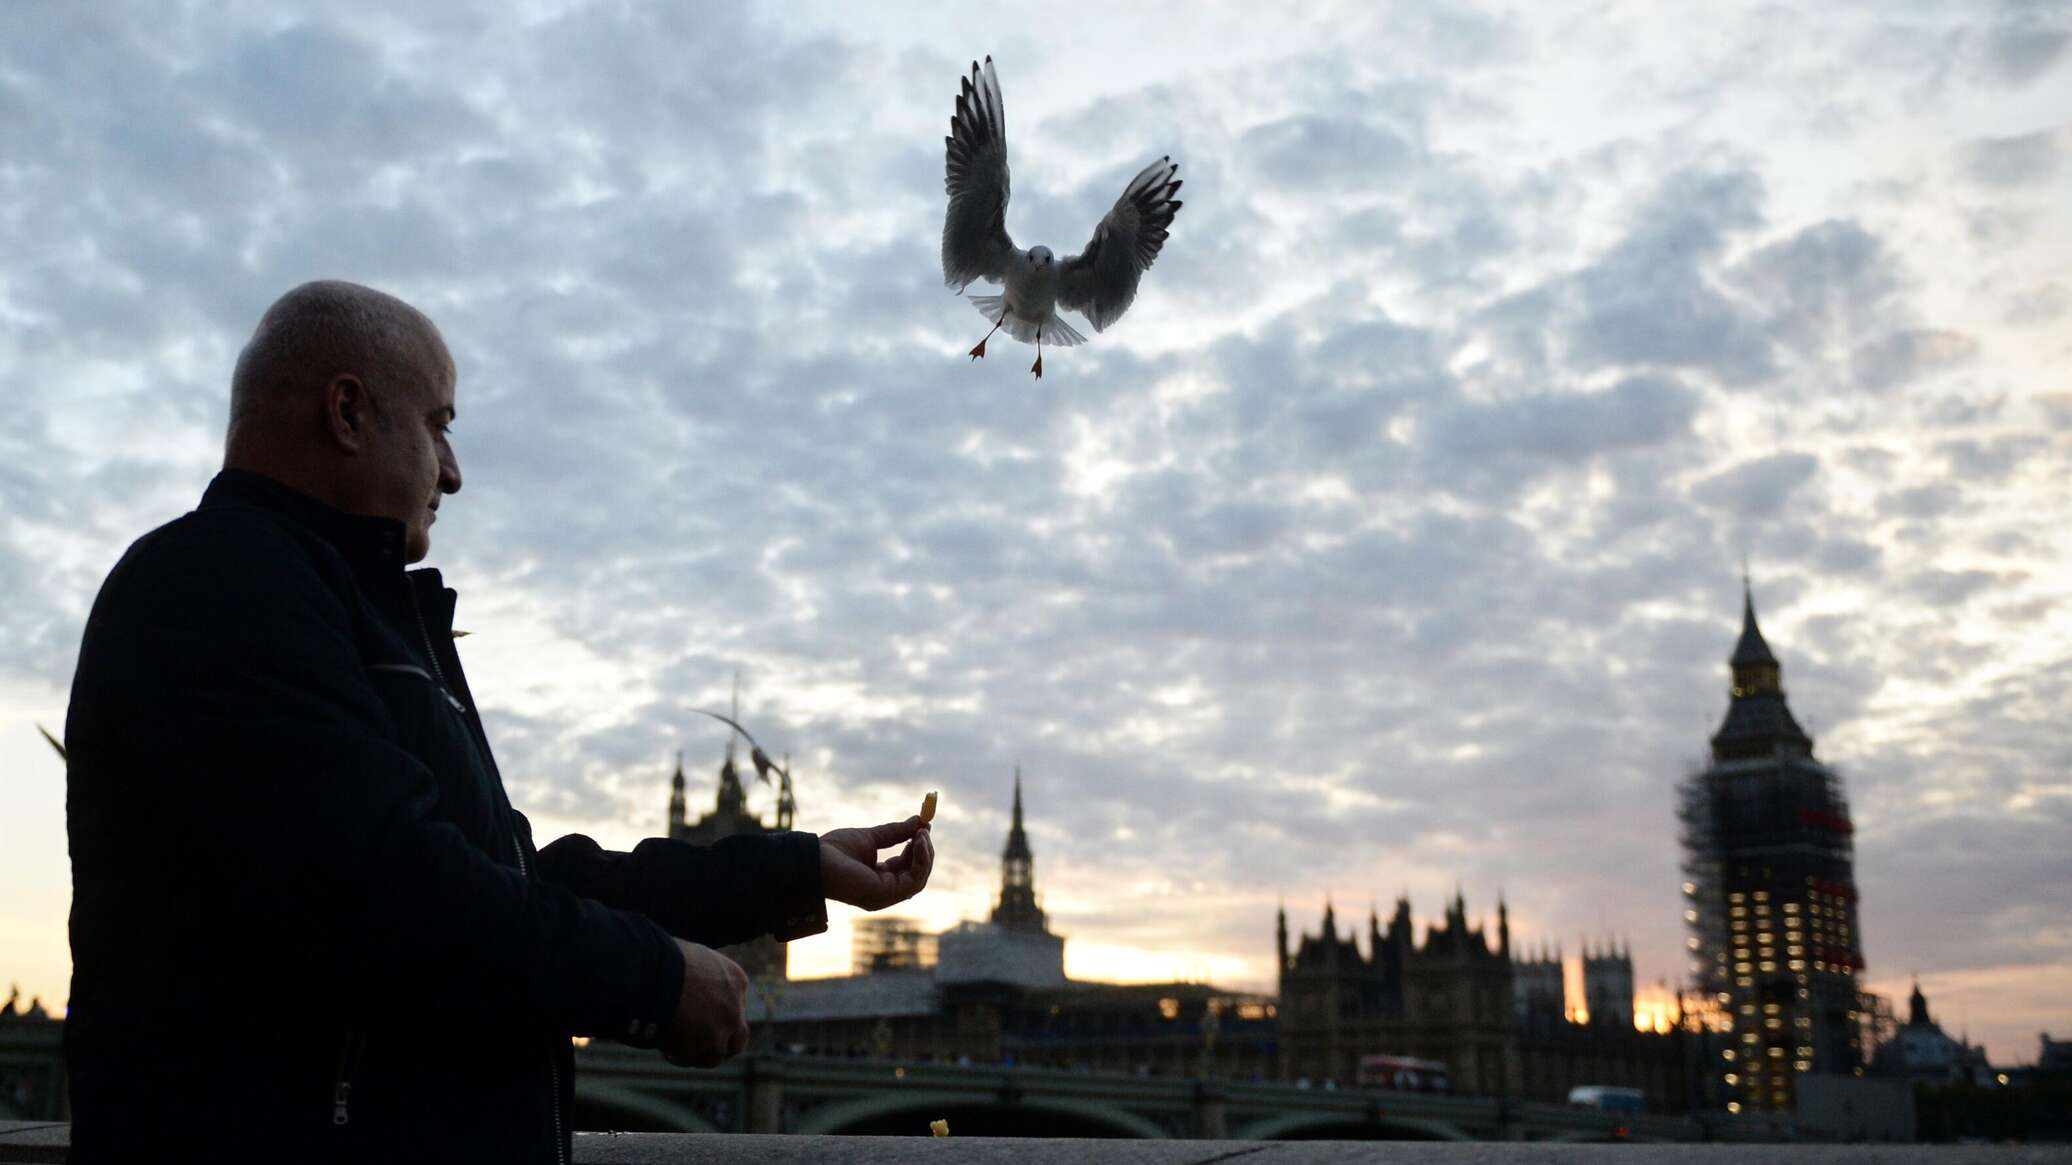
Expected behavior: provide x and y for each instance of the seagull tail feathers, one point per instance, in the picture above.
(1056, 333)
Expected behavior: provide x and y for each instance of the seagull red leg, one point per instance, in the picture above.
(1038, 369)
(980, 351)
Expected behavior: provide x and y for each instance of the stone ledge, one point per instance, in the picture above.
(27, 1141)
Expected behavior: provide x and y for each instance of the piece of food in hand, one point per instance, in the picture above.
(939, 1128)
(928, 808)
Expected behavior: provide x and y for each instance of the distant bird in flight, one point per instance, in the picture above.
(1098, 283)
(764, 766)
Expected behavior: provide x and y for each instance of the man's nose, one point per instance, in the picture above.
(449, 474)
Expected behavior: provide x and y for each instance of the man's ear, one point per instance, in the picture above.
(348, 411)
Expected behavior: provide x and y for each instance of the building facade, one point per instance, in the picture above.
(1770, 893)
(1500, 1024)
(1921, 1050)
(995, 992)
(1608, 983)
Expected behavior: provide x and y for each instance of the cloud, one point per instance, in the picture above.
(1390, 541)
(1902, 357)
(2024, 42)
(2041, 304)
(1832, 278)
(2009, 162)
(1652, 301)
(1760, 488)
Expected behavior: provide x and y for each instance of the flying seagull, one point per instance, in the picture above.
(1098, 283)
(764, 766)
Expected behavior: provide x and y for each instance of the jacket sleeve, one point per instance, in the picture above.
(734, 890)
(299, 798)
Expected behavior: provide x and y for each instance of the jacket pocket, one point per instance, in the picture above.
(432, 726)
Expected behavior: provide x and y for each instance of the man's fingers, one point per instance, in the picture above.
(923, 862)
(893, 832)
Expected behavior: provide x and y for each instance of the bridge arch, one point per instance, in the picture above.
(599, 1102)
(1345, 1126)
(863, 1113)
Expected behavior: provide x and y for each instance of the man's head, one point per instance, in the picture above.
(345, 393)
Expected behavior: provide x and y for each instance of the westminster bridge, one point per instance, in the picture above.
(620, 1088)
(636, 1091)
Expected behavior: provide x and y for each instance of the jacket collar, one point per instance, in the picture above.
(368, 543)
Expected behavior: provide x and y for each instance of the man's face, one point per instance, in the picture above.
(408, 464)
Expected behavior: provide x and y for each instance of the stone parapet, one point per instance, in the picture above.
(23, 1141)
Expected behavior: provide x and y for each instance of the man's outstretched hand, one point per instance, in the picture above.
(851, 872)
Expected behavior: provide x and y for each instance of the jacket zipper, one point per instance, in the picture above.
(342, 1084)
(524, 870)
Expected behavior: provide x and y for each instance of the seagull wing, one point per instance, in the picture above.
(974, 234)
(764, 766)
(729, 722)
(1100, 282)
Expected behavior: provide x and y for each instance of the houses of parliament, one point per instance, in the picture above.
(1772, 995)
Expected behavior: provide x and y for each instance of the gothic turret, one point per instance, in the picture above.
(676, 803)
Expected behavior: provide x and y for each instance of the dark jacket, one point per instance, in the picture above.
(307, 923)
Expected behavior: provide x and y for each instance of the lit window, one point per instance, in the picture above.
(1733, 1079)
(1733, 1106)
(1797, 964)
(1727, 1054)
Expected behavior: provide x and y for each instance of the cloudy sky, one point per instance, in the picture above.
(1392, 542)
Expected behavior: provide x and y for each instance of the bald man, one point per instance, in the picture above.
(307, 923)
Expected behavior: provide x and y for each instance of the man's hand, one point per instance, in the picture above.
(708, 1027)
(851, 872)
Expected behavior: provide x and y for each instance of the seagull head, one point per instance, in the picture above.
(1039, 256)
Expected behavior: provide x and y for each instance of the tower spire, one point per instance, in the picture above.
(676, 805)
(1759, 723)
(1280, 937)
(1017, 909)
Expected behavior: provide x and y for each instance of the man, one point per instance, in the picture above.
(307, 923)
